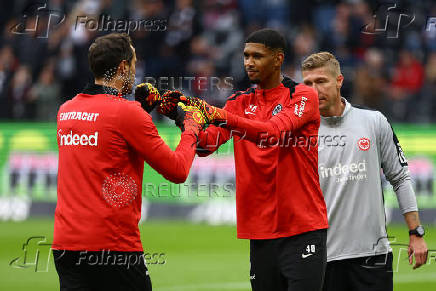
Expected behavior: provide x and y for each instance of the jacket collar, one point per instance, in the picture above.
(347, 107)
(337, 119)
(268, 95)
(94, 89)
(288, 82)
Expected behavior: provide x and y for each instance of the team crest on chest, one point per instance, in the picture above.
(364, 144)
(277, 109)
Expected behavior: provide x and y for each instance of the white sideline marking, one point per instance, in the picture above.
(418, 277)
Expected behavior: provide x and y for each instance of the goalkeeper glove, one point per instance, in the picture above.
(148, 96)
(168, 106)
(189, 118)
(211, 114)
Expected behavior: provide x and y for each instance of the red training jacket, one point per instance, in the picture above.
(275, 135)
(103, 142)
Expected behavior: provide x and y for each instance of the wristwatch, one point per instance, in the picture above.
(418, 231)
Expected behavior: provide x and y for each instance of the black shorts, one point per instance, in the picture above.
(103, 270)
(372, 273)
(294, 263)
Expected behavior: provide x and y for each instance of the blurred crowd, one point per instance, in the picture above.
(197, 46)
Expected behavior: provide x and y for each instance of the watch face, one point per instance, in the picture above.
(420, 230)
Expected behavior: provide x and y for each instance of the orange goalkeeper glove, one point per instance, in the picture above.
(189, 118)
(212, 114)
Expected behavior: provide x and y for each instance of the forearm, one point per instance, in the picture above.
(407, 202)
(252, 130)
(406, 195)
(174, 165)
(140, 133)
(211, 139)
(412, 219)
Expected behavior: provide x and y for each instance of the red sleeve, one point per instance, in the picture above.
(302, 109)
(213, 137)
(140, 133)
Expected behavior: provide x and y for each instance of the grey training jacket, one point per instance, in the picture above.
(352, 150)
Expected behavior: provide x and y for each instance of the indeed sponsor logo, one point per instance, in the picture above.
(353, 171)
(76, 139)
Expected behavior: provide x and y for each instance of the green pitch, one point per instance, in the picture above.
(190, 257)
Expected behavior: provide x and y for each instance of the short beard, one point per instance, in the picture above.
(255, 81)
(127, 86)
